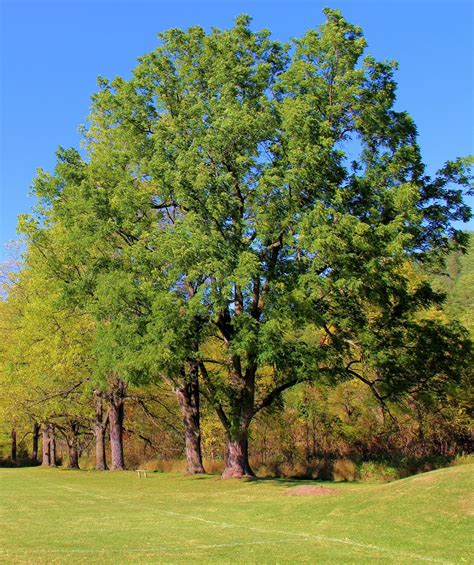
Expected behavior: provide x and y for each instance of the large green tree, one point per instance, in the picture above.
(247, 209)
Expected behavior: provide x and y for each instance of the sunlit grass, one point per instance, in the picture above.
(59, 516)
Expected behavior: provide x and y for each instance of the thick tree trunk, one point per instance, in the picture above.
(188, 399)
(34, 452)
(13, 446)
(237, 460)
(116, 399)
(73, 454)
(242, 384)
(49, 446)
(73, 446)
(100, 427)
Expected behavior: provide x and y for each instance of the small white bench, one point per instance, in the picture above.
(142, 473)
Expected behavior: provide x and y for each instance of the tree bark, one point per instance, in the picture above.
(34, 452)
(116, 414)
(52, 446)
(100, 427)
(46, 450)
(72, 445)
(116, 398)
(237, 458)
(188, 399)
(49, 446)
(13, 446)
(243, 410)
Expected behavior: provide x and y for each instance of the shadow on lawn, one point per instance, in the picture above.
(21, 462)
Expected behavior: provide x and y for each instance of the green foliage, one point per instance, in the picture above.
(45, 352)
(457, 281)
(255, 208)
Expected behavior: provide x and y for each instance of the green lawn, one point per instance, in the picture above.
(60, 516)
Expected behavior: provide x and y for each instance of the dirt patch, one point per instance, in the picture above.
(308, 490)
(426, 478)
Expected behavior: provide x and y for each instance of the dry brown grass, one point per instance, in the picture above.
(344, 470)
(179, 465)
(308, 490)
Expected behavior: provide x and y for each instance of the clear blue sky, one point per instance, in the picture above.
(52, 52)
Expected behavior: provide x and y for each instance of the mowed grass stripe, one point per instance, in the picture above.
(61, 515)
(300, 536)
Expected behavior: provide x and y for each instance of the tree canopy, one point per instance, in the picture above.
(246, 211)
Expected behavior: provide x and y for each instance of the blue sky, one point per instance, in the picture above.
(52, 52)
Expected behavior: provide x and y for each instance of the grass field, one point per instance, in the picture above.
(59, 516)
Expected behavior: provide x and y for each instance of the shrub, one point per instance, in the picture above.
(380, 472)
(344, 470)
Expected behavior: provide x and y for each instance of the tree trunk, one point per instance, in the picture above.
(100, 427)
(237, 459)
(188, 399)
(73, 447)
(116, 399)
(13, 446)
(52, 446)
(34, 452)
(242, 410)
(116, 414)
(46, 460)
(73, 454)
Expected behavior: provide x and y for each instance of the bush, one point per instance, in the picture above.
(164, 466)
(214, 466)
(380, 472)
(344, 470)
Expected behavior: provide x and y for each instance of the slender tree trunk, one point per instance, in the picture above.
(34, 452)
(73, 446)
(116, 399)
(315, 437)
(116, 414)
(188, 399)
(100, 427)
(52, 446)
(46, 460)
(13, 445)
